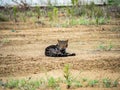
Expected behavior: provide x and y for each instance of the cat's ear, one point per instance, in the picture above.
(58, 40)
(67, 40)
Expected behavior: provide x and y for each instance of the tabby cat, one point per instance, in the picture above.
(58, 50)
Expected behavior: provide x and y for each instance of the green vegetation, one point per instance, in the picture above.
(15, 13)
(54, 83)
(12, 83)
(84, 79)
(23, 84)
(78, 84)
(116, 82)
(3, 18)
(5, 40)
(92, 83)
(51, 15)
(67, 75)
(114, 2)
(107, 82)
(106, 47)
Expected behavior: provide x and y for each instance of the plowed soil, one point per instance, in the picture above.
(22, 51)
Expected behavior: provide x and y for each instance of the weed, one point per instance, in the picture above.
(5, 40)
(52, 82)
(67, 75)
(55, 13)
(116, 82)
(110, 47)
(102, 47)
(78, 84)
(57, 88)
(22, 82)
(92, 83)
(15, 13)
(107, 82)
(3, 18)
(12, 84)
(74, 2)
(37, 8)
(53, 16)
(84, 79)
(106, 47)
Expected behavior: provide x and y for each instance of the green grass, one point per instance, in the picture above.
(83, 20)
(105, 47)
(77, 84)
(107, 82)
(5, 40)
(52, 82)
(12, 84)
(25, 84)
(92, 83)
(84, 79)
(3, 18)
(67, 75)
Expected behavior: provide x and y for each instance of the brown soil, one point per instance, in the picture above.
(22, 52)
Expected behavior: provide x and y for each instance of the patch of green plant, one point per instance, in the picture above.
(101, 21)
(5, 40)
(92, 83)
(84, 79)
(107, 82)
(3, 18)
(92, 10)
(53, 16)
(55, 13)
(116, 82)
(114, 2)
(106, 47)
(52, 82)
(102, 47)
(78, 84)
(31, 85)
(83, 20)
(70, 11)
(37, 9)
(67, 75)
(74, 2)
(23, 84)
(12, 84)
(15, 13)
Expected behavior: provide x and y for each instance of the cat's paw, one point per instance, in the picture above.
(73, 54)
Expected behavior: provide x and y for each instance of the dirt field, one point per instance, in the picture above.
(22, 51)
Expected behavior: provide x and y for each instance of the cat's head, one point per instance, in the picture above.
(63, 44)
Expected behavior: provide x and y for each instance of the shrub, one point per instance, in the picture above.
(12, 83)
(3, 18)
(92, 83)
(52, 82)
(107, 82)
(67, 75)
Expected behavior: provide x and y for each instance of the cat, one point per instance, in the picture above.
(58, 50)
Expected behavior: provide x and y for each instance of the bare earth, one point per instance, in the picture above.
(22, 52)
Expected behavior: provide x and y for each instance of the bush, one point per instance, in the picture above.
(3, 18)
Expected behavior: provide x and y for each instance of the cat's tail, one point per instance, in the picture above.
(73, 54)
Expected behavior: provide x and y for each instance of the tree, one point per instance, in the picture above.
(22, 3)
